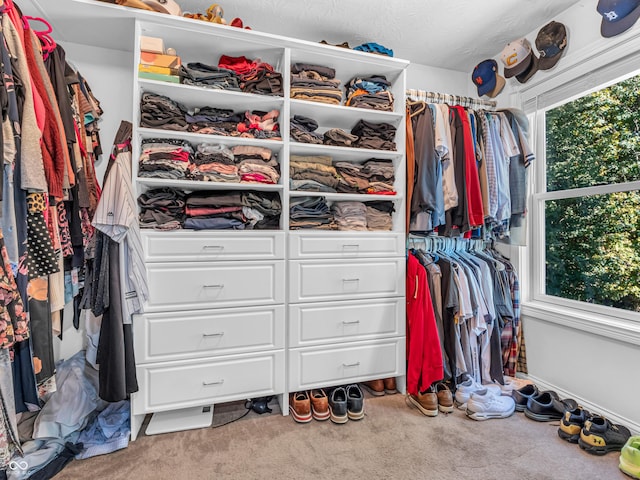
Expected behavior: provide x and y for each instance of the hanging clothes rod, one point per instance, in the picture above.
(432, 243)
(433, 97)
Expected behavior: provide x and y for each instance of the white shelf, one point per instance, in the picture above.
(345, 197)
(342, 153)
(196, 138)
(341, 116)
(194, 96)
(200, 185)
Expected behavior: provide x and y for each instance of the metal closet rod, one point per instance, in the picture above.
(434, 97)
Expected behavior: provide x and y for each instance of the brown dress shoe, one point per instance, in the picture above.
(426, 402)
(300, 407)
(319, 405)
(445, 398)
(390, 386)
(375, 387)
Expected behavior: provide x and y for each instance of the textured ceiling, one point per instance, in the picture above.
(453, 34)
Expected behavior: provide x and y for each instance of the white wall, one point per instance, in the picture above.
(108, 73)
(595, 368)
(434, 79)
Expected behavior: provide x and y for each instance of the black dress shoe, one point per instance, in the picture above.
(547, 406)
(522, 396)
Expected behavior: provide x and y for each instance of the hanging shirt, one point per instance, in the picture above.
(444, 147)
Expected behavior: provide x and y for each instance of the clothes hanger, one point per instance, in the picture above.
(48, 43)
(421, 104)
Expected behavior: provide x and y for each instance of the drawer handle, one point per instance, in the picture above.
(221, 285)
(354, 245)
(350, 280)
(207, 335)
(208, 384)
(213, 247)
(350, 364)
(354, 322)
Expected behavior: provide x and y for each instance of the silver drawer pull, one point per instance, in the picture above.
(221, 285)
(207, 335)
(351, 323)
(208, 384)
(350, 280)
(351, 364)
(354, 245)
(213, 247)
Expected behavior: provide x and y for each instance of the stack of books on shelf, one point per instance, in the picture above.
(156, 63)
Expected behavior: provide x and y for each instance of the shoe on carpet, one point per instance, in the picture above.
(300, 407)
(445, 398)
(522, 396)
(375, 387)
(599, 436)
(484, 405)
(390, 385)
(426, 402)
(338, 405)
(630, 457)
(355, 402)
(468, 387)
(547, 406)
(572, 423)
(319, 405)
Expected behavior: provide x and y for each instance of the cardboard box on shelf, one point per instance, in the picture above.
(152, 44)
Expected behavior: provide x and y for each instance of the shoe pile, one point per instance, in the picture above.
(438, 397)
(381, 386)
(342, 404)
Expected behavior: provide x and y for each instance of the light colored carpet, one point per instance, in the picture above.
(393, 441)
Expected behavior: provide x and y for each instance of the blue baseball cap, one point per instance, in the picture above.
(485, 76)
(617, 16)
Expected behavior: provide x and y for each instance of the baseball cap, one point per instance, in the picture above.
(485, 77)
(550, 43)
(530, 70)
(516, 57)
(617, 16)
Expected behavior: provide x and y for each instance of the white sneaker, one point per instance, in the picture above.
(484, 405)
(465, 389)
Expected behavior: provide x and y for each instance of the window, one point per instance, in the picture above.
(589, 201)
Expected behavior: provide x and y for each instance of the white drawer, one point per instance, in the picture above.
(186, 286)
(315, 280)
(185, 245)
(171, 386)
(345, 245)
(335, 322)
(191, 334)
(315, 367)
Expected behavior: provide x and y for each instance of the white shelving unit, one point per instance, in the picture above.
(243, 314)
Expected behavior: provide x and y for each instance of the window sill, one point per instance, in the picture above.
(616, 328)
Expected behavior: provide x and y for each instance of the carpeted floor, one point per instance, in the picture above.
(393, 441)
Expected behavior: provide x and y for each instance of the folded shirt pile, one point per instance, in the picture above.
(370, 92)
(373, 177)
(165, 158)
(214, 163)
(314, 173)
(310, 212)
(232, 210)
(158, 111)
(303, 129)
(350, 215)
(256, 164)
(339, 138)
(209, 76)
(255, 76)
(315, 83)
(372, 47)
(378, 136)
(162, 208)
(379, 215)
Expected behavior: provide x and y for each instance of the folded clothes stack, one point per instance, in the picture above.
(339, 138)
(310, 212)
(209, 76)
(315, 83)
(232, 210)
(161, 158)
(214, 163)
(162, 208)
(313, 173)
(373, 177)
(255, 76)
(372, 47)
(350, 215)
(303, 130)
(260, 125)
(378, 136)
(213, 121)
(158, 111)
(256, 164)
(379, 215)
(370, 92)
